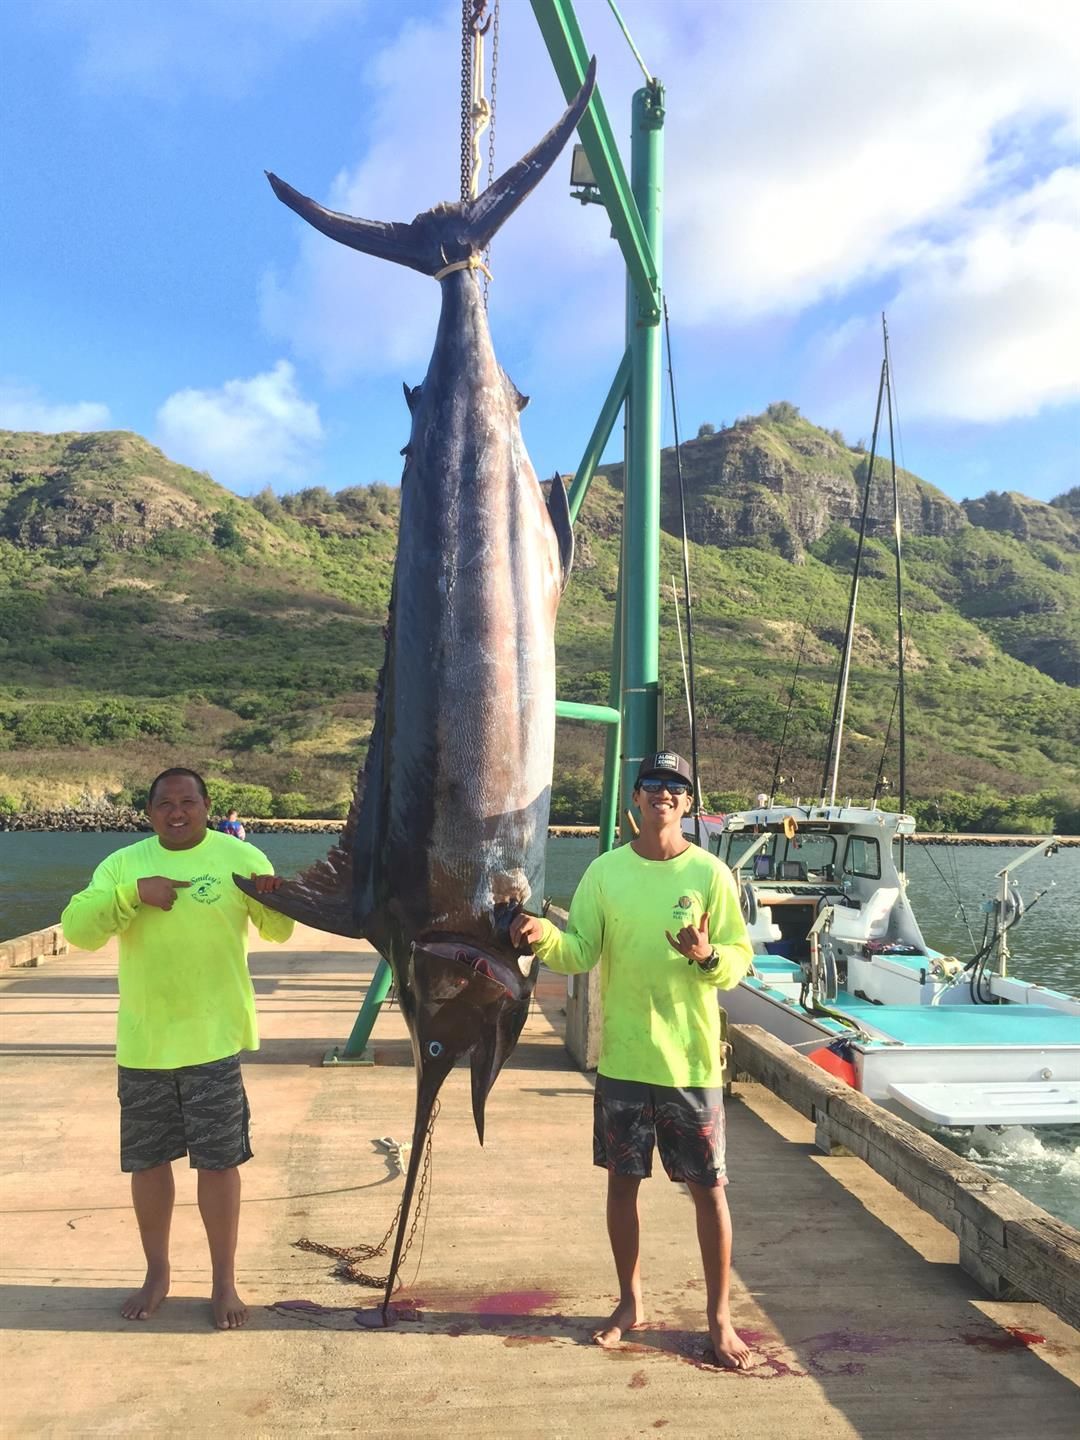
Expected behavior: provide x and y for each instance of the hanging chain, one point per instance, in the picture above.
(491, 132)
(349, 1257)
(466, 97)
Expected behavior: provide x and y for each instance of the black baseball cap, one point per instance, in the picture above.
(665, 762)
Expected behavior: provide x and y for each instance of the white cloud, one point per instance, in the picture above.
(246, 433)
(985, 322)
(165, 51)
(814, 148)
(23, 408)
(353, 315)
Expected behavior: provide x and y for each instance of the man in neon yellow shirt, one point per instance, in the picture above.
(660, 1070)
(187, 1009)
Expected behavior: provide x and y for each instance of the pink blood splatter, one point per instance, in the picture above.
(1014, 1339)
(515, 1302)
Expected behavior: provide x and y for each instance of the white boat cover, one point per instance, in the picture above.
(1020, 1102)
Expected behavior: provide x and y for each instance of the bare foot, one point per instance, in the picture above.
(230, 1312)
(626, 1316)
(145, 1301)
(731, 1352)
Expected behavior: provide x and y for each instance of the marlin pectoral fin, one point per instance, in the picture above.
(321, 896)
(559, 510)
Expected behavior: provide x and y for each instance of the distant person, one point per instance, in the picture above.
(233, 826)
(187, 1009)
(660, 1076)
(760, 801)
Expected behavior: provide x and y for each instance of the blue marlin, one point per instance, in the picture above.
(444, 841)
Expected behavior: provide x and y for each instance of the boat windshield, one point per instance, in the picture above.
(737, 844)
(816, 853)
(806, 856)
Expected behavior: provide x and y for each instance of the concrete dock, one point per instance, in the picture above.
(851, 1296)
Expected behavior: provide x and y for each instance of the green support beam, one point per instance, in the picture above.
(576, 710)
(562, 35)
(616, 398)
(353, 1051)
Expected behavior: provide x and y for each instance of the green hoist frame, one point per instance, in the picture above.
(632, 715)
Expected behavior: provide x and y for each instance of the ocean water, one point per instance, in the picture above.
(947, 884)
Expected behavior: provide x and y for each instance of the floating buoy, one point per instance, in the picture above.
(835, 1064)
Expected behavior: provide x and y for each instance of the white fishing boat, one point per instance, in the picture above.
(842, 969)
(843, 972)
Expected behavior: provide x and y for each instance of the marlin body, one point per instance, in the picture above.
(445, 839)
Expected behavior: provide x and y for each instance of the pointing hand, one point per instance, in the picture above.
(160, 891)
(693, 940)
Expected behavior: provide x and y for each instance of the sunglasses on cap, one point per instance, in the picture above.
(653, 784)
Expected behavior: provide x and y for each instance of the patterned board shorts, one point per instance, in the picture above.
(687, 1125)
(199, 1110)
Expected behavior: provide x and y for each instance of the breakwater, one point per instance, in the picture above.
(130, 820)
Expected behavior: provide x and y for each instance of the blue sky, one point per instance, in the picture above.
(825, 160)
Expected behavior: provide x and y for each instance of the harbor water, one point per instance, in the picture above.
(947, 885)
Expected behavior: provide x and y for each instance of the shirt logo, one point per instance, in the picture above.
(684, 910)
(206, 889)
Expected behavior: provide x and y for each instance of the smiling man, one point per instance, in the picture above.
(660, 1075)
(187, 1009)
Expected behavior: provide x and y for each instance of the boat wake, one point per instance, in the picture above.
(1042, 1164)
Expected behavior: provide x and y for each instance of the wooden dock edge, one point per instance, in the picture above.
(31, 949)
(1008, 1244)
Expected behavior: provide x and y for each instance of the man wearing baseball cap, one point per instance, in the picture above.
(662, 918)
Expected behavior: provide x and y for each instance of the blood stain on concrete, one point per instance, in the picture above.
(1011, 1338)
(515, 1302)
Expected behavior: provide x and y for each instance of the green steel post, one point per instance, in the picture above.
(377, 992)
(641, 512)
(609, 802)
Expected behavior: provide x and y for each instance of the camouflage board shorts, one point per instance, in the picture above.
(687, 1125)
(199, 1110)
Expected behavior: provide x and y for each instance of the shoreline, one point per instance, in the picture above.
(132, 822)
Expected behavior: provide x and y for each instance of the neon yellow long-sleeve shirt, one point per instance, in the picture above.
(661, 1016)
(185, 993)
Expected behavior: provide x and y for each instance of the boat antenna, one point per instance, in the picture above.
(900, 642)
(880, 782)
(686, 586)
(836, 729)
(791, 694)
(685, 675)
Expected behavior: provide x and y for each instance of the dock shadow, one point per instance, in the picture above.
(846, 1300)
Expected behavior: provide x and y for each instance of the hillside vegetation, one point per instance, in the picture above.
(148, 616)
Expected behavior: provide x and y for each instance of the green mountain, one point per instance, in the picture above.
(148, 616)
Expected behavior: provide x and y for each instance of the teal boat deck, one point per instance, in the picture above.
(949, 1024)
(1000, 1025)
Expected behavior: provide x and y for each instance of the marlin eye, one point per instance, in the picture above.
(435, 1048)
